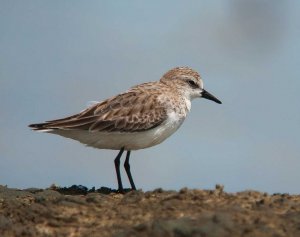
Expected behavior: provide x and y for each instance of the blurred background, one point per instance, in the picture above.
(55, 56)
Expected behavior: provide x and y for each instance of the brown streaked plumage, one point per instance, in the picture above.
(133, 111)
(141, 117)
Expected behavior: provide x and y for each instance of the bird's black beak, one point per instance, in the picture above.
(209, 96)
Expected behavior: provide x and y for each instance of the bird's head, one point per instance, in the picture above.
(188, 82)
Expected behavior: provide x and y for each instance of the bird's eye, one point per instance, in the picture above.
(192, 84)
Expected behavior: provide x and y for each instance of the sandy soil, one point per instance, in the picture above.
(76, 211)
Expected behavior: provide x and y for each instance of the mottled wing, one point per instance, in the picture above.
(133, 111)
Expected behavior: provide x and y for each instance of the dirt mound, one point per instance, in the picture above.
(77, 211)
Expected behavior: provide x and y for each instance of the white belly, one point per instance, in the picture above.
(130, 141)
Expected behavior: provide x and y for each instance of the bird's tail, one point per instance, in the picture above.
(43, 127)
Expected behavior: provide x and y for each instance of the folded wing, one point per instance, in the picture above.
(132, 111)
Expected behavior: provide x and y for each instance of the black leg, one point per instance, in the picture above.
(127, 168)
(117, 166)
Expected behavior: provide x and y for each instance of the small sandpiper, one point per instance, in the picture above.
(141, 117)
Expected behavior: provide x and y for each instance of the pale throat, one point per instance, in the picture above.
(187, 98)
(188, 104)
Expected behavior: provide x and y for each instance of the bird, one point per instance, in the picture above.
(141, 117)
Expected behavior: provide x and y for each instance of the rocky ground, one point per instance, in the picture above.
(76, 211)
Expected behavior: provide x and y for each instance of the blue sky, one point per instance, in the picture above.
(58, 55)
